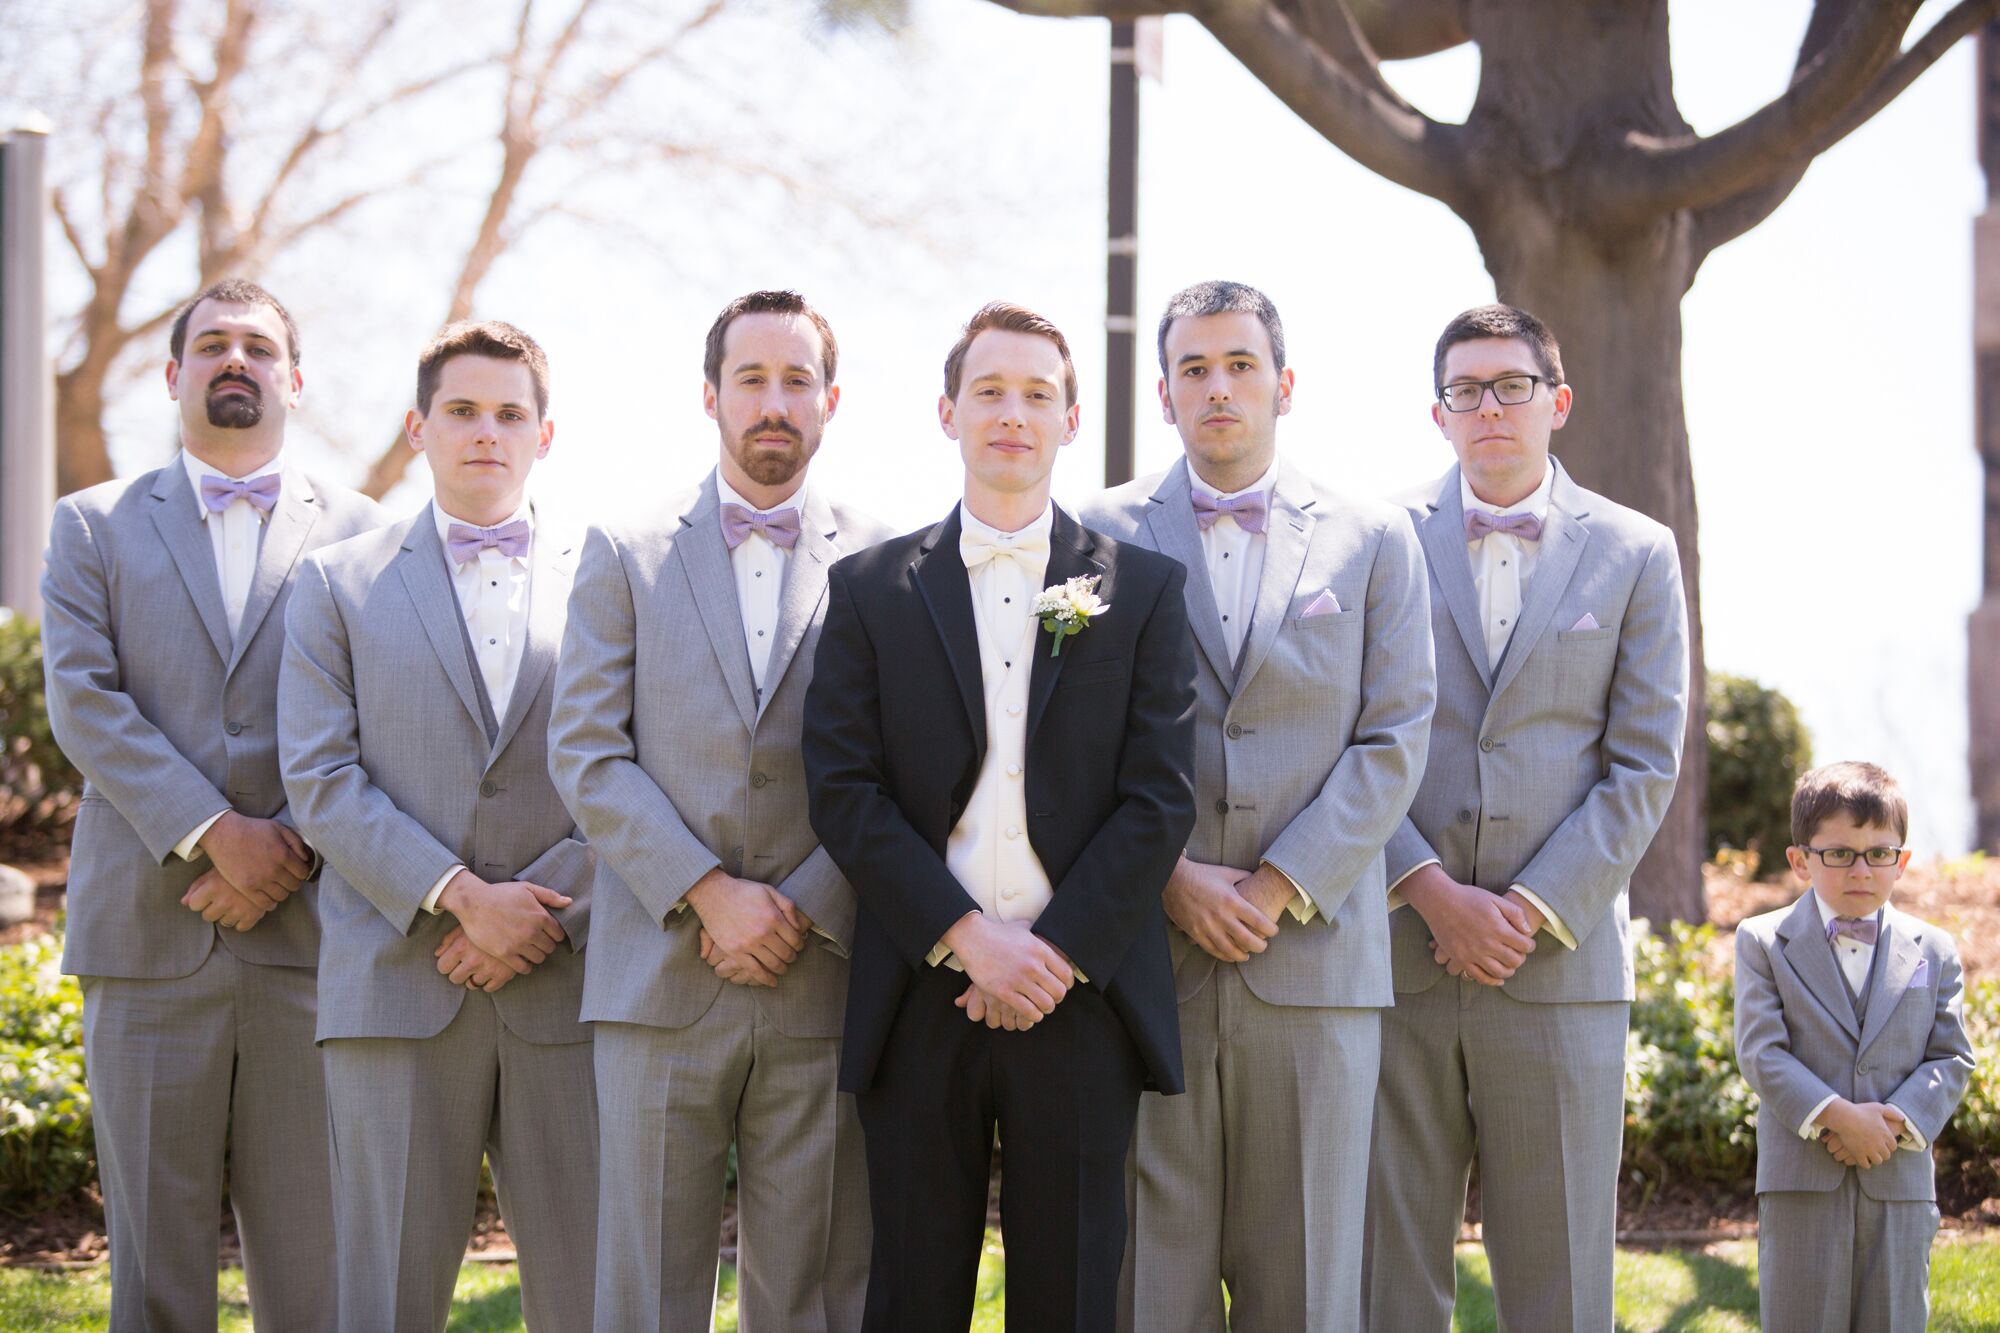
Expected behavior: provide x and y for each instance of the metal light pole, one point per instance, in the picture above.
(1983, 632)
(27, 428)
(1121, 255)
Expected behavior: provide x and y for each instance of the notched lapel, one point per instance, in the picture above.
(551, 568)
(1893, 971)
(285, 530)
(705, 558)
(947, 592)
(1563, 542)
(422, 568)
(186, 540)
(1443, 534)
(1170, 520)
(1287, 536)
(804, 590)
(1072, 551)
(1811, 957)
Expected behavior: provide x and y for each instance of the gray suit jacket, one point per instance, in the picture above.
(169, 719)
(392, 777)
(1553, 771)
(1307, 756)
(1797, 1042)
(673, 765)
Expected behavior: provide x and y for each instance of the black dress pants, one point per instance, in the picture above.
(1063, 1095)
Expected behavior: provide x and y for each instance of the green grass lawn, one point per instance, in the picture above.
(1713, 1291)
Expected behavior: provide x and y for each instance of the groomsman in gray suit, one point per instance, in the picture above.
(1314, 695)
(191, 924)
(419, 665)
(1562, 653)
(719, 975)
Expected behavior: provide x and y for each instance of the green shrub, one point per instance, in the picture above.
(1689, 1116)
(38, 785)
(1968, 1150)
(46, 1150)
(1757, 748)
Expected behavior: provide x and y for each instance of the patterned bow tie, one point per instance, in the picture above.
(218, 493)
(975, 548)
(1861, 932)
(1478, 523)
(780, 527)
(465, 542)
(1249, 510)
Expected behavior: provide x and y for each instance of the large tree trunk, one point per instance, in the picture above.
(82, 455)
(1615, 308)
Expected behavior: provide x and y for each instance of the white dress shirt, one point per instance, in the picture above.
(234, 535)
(492, 591)
(760, 565)
(1502, 566)
(1235, 560)
(1855, 958)
(988, 851)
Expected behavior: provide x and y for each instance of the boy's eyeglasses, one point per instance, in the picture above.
(1840, 858)
(1510, 390)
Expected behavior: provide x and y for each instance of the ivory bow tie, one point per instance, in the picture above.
(780, 527)
(465, 542)
(976, 548)
(218, 493)
(1249, 510)
(1525, 526)
(1861, 932)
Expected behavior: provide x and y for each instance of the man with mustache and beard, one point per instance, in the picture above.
(192, 923)
(717, 973)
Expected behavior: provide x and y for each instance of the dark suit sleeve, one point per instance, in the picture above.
(1114, 886)
(898, 876)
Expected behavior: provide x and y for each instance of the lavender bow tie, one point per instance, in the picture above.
(1861, 932)
(780, 527)
(1248, 510)
(218, 493)
(1478, 523)
(465, 542)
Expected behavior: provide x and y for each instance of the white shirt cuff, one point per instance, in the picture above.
(1302, 907)
(189, 848)
(431, 898)
(1396, 898)
(1809, 1130)
(1550, 921)
(1910, 1139)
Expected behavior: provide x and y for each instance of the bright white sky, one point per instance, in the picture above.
(1827, 366)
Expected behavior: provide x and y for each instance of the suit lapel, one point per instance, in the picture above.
(1563, 540)
(285, 531)
(705, 557)
(1443, 534)
(805, 588)
(1072, 551)
(1811, 957)
(423, 571)
(1287, 535)
(947, 593)
(551, 566)
(1170, 520)
(186, 539)
(1893, 970)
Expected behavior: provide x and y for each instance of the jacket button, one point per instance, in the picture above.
(233, 728)
(488, 789)
(1234, 730)
(1465, 816)
(1486, 744)
(1221, 805)
(758, 780)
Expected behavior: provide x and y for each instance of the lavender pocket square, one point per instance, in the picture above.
(1589, 621)
(1325, 604)
(1922, 976)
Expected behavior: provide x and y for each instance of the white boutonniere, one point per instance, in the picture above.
(1067, 608)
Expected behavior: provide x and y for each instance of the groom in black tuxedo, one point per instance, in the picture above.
(1008, 802)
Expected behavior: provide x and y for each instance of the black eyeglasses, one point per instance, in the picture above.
(1510, 390)
(1840, 858)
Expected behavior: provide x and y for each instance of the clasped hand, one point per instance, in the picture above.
(1230, 913)
(1474, 933)
(254, 864)
(1017, 977)
(750, 933)
(502, 928)
(1861, 1134)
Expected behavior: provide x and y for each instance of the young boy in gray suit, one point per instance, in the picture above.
(1848, 1027)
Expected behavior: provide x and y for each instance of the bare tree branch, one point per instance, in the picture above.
(69, 231)
(1403, 29)
(1659, 176)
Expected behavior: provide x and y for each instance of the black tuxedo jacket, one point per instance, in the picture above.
(895, 732)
